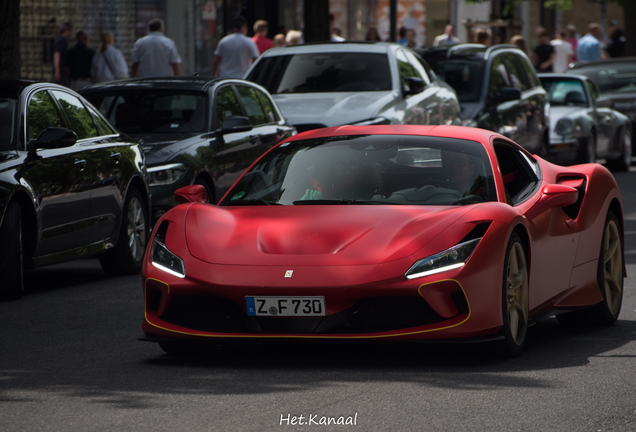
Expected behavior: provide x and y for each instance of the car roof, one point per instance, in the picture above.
(361, 47)
(15, 87)
(604, 63)
(171, 83)
(563, 76)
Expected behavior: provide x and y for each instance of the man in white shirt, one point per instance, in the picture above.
(564, 53)
(155, 54)
(447, 38)
(235, 52)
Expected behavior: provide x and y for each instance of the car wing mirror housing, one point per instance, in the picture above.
(552, 196)
(509, 94)
(52, 138)
(236, 124)
(192, 194)
(413, 86)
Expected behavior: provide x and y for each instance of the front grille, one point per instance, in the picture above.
(205, 313)
(390, 313)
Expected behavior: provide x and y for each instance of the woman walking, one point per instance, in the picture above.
(108, 63)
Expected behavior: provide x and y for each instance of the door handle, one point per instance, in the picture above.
(80, 163)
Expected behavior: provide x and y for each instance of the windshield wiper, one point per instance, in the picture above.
(251, 202)
(340, 202)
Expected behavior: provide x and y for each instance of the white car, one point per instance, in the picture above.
(584, 125)
(334, 84)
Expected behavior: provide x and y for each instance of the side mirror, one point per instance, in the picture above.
(509, 94)
(552, 196)
(52, 138)
(194, 194)
(604, 103)
(236, 124)
(413, 86)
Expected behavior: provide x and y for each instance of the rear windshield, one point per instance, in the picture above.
(153, 111)
(369, 170)
(464, 75)
(323, 72)
(620, 78)
(7, 122)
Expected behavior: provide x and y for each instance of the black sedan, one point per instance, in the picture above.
(70, 185)
(195, 130)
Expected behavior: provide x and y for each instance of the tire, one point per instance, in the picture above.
(514, 299)
(587, 150)
(11, 254)
(208, 188)
(127, 257)
(609, 275)
(623, 162)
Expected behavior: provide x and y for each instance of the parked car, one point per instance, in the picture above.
(389, 233)
(584, 125)
(498, 90)
(70, 185)
(333, 84)
(616, 80)
(194, 130)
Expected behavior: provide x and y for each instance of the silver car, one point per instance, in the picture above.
(584, 125)
(333, 84)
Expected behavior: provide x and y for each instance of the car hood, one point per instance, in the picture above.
(313, 234)
(333, 109)
(161, 148)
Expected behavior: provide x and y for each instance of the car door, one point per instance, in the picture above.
(99, 175)
(604, 120)
(58, 181)
(507, 117)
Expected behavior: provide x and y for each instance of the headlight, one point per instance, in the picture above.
(375, 121)
(165, 260)
(450, 259)
(165, 174)
(564, 127)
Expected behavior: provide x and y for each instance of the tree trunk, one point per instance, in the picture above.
(10, 39)
(317, 21)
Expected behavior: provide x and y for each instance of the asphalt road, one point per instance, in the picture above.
(70, 361)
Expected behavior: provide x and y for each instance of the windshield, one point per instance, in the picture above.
(612, 78)
(7, 122)
(370, 169)
(153, 111)
(565, 92)
(323, 72)
(464, 75)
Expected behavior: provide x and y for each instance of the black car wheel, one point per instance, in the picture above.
(514, 299)
(587, 150)
(127, 257)
(623, 162)
(11, 254)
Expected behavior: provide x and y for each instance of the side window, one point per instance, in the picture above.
(518, 173)
(405, 68)
(419, 69)
(252, 105)
(80, 121)
(592, 88)
(104, 128)
(42, 114)
(226, 105)
(498, 77)
(518, 76)
(533, 79)
(268, 107)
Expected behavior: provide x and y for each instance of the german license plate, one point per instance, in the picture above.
(285, 306)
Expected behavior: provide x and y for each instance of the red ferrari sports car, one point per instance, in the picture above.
(388, 232)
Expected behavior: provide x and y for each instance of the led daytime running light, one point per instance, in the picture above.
(450, 259)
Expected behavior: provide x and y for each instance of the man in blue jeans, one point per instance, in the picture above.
(589, 47)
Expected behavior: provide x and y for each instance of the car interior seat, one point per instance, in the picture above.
(575, 97)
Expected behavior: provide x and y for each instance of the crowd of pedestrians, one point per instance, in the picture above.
(157, 55)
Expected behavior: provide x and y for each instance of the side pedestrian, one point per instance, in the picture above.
(260, 36)
(235, 52)
(563, 52)
(589, 47)
(60, 49)
(571, 37)
(279, 41)
(446, 38)
(294, 37)
(79, 60)
(155, 54)
(616, 45)
(108, 63)
(544, 53)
